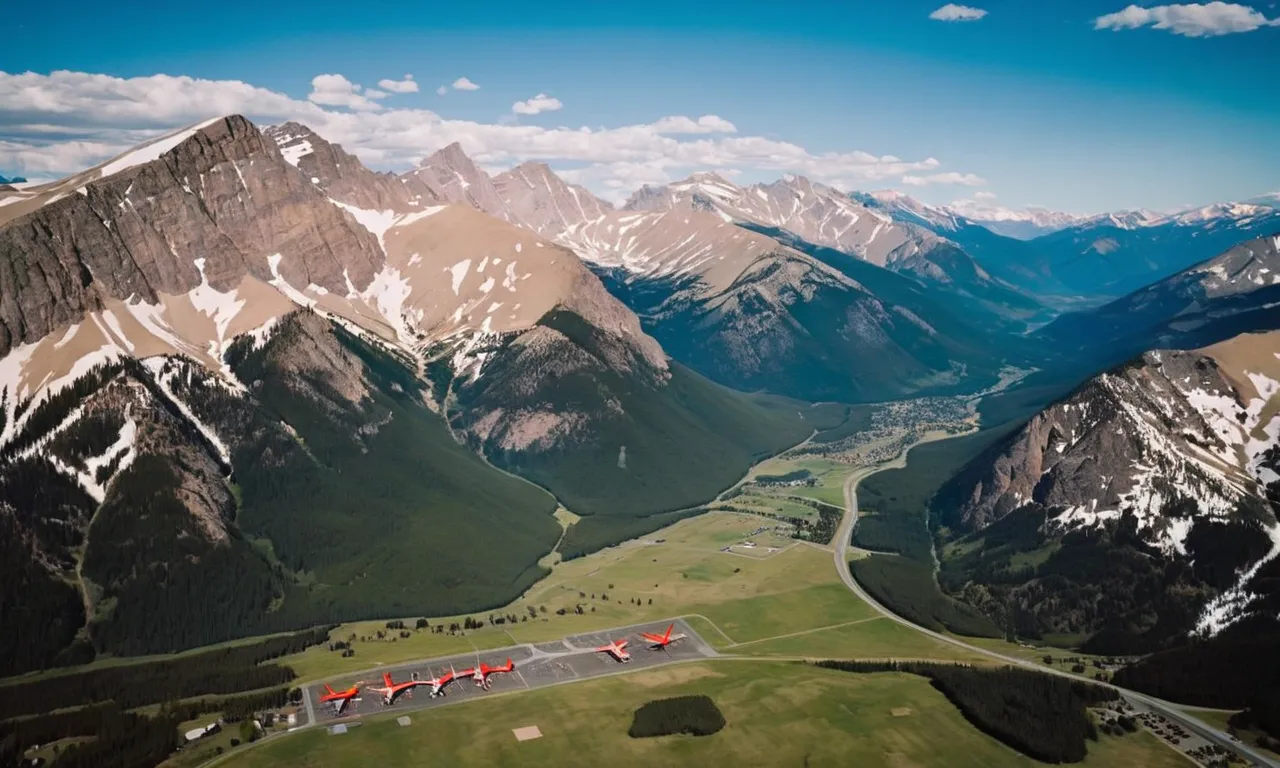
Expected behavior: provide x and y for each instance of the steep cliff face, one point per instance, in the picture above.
(222, 195)
(342, 176)
(226, 337)
(1167, 464)
(544, 202)
(454, 178)
(1169, 428)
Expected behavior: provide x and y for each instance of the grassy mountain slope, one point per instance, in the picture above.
(656, 444)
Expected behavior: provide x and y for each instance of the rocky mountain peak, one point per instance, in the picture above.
(232, 209)
(454, 178)
(341, 176)
(542, 201)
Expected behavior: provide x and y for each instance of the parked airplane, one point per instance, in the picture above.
(339, 699)
(393, 689)
(438, 684)
(617, 649)
(481, 673)
(660, 642)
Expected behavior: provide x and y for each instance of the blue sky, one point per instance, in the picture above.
(1033, 99)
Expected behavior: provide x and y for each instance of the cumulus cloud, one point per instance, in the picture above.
(442, 90)
(407, 85)
(463, 84)
(683, 125)
(1190, 20)
(537, 105)
(63, 122)
(984, 195)
(338, 91)
(950, 177)
(953, 12)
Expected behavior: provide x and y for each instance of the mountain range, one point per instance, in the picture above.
(268, 373)
(1098, 257)
(217, 363)
(1141, 506)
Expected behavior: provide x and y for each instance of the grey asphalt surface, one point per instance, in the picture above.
(536, 666)
(1170, 710)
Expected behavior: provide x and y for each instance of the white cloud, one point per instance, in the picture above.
(407, 85)
(370, 93)
(704, 124)
(463, 84)
(984, 195)
(1190, 20)
(338, 91)
(953, 12)
(950, 177)
(442, 90)
(63, 122)
(537, 105)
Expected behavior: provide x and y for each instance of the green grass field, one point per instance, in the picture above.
(1037, 654)
(830, 474)
(748, 598)
(777, 713)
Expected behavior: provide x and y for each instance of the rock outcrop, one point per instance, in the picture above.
(223, 195)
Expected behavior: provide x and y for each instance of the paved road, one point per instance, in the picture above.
(536, 666)
(1168, 709)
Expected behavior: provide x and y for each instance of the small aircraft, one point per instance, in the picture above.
(339, 699)
(617, 649)
(660, 642)
(482, 672)
(438, 684)
(393, 689)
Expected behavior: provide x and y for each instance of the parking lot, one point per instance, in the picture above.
(573, 658)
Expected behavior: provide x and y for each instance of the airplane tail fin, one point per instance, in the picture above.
(386, 678)
(668, 635)
(510, 666)
(328, 689)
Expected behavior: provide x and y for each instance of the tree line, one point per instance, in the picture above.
(1042, 716)
(1238, 668)
(221, 671)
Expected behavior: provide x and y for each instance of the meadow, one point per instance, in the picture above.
(777, 713)
(680, 570)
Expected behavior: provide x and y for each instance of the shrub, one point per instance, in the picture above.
(697, 715)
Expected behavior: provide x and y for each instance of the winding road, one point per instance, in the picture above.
(1169, 710)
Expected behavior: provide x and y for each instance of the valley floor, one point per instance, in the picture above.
(762, 608)
(778, 713)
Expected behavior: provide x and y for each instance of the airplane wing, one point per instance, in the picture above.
(340, 705)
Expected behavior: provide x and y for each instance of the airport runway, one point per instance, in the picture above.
(573, 658)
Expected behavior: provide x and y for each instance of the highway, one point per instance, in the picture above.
(1171, 711)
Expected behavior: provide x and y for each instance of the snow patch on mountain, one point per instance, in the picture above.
(152, 151)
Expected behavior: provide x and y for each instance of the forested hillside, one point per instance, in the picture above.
(659, 441)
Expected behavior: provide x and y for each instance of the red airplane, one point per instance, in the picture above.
(660, 642)
(438, 684)
(339, 699)
(393, 690)
(481, 673)
(616, 649)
